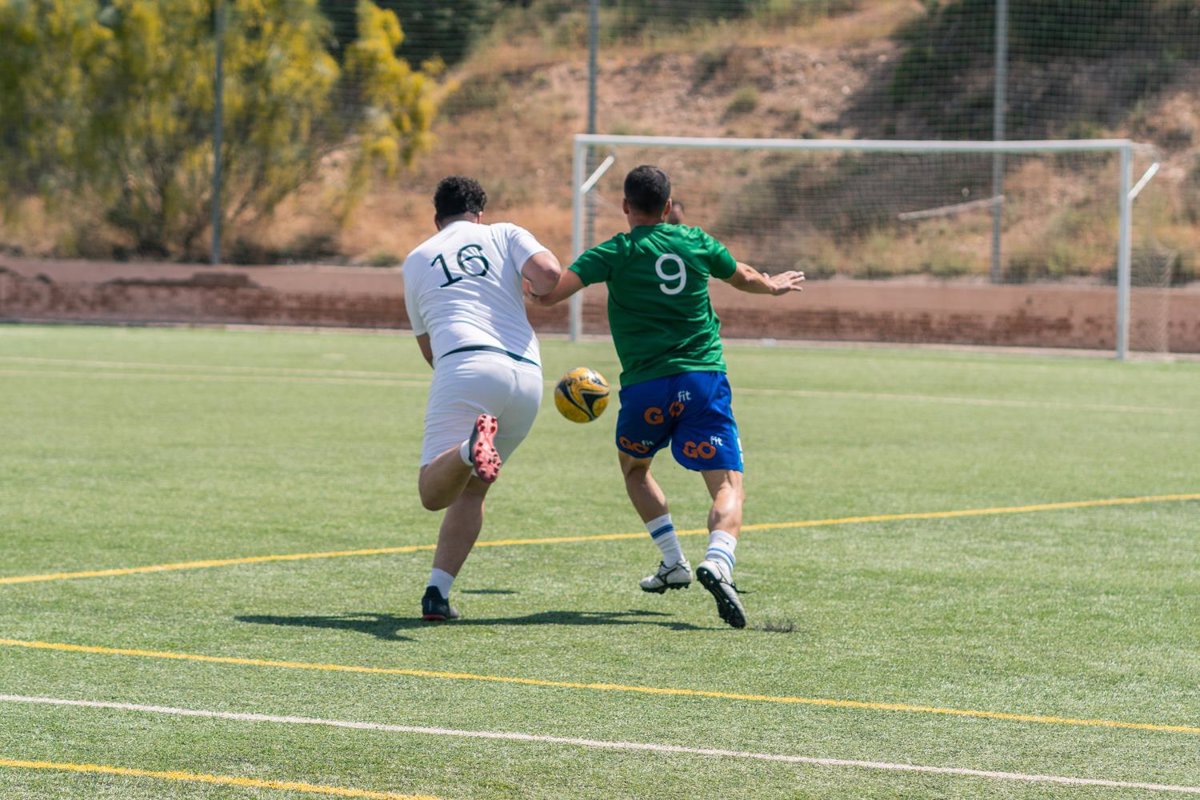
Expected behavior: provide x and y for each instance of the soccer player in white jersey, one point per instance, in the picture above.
(463, 292)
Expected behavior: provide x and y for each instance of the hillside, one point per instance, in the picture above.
(511, 120)
(512, 117)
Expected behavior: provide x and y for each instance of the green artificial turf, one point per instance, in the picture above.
(1055, 641)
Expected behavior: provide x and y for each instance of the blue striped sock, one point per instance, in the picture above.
(721, 545)
(662, 531)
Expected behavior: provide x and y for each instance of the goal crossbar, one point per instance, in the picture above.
(865, 145)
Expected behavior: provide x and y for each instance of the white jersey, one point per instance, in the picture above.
(462, 286)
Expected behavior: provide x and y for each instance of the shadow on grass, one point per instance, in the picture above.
(389, 626)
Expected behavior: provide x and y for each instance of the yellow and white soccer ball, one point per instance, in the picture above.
(581, 395)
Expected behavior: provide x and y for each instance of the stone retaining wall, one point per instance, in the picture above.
(1052, 315)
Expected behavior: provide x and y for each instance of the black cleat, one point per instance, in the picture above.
(729, 606)
(435, 608)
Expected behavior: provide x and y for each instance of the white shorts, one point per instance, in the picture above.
(466, 385)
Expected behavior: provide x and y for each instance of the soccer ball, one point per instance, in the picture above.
(581, 395)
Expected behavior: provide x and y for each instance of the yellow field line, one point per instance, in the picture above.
(979, 512)
(220, 780)
(603, 687)
(601, 537)
(209, 563)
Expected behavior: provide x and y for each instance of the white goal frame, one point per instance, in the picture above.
(582, 183)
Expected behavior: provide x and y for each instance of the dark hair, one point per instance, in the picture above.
(647, 189)
(458, 194)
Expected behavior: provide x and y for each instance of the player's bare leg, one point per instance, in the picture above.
(674, 571)
(644, 492)
(460, 528)
(725, 488)
(724, 525)
(457, 480)
(442, 480)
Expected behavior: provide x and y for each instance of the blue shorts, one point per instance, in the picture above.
(691, 410)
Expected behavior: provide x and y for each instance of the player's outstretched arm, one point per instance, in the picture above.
(568, 284)
(747, 279)
(542, 270)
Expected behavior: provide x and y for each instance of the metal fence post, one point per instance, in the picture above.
(218, 124)
(998, 134)
(593, 70)
(578, 198)
(1124, 253)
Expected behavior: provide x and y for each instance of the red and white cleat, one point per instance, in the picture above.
(482, 447)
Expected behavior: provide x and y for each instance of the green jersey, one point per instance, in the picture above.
(661, 318)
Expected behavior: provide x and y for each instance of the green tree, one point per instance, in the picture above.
(46, 73)
(444, 30)
(395, 103)
(116, 102)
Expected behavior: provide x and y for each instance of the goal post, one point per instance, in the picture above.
(826, 191)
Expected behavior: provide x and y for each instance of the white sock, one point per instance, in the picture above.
(721, 545)
(464, 451)
(442, 580)
(662, 531)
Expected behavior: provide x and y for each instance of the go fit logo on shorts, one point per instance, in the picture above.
(704, 450)
(637, 447)
(654, 414)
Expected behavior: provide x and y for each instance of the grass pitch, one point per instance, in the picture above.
(209, 534)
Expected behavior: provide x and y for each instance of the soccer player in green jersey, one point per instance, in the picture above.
(673, 385)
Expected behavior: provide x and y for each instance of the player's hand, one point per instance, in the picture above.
(786, 282)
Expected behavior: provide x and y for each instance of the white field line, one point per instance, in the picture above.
(609, 745)
(412, 379)
(200, 377)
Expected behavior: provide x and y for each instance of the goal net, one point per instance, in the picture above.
(1045, 243)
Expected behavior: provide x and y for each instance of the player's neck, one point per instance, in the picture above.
(466, 217)
(638, 220)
